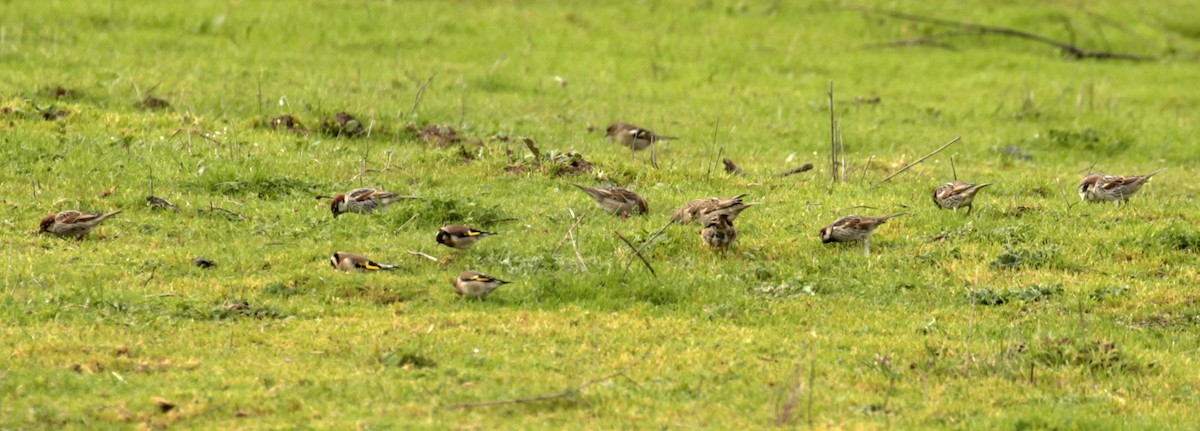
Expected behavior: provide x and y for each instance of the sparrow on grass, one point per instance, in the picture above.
(699, 208)
(718, 231)
(633, 136)
(617, 201)
(1115, 188)
(73, 224)
(855, 228)
(956, 194)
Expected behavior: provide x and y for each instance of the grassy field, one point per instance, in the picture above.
(1037, 311)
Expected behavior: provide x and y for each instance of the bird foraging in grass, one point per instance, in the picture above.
(363, 200)
(356, 262)
(73, 224)
(956, 194)
(700, 208)
(460, 237)
(718, 231)
(855, 228)
(633, 136)
(474, 284)
(1115, 188)
(617, 201)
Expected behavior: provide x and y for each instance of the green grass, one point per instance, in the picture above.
(1035, 312)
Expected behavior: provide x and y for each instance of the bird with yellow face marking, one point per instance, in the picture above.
(474, 284)
(460, 237)
(356, 262)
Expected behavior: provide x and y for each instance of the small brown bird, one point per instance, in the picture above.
(459, 236)
(74, 224)
(854, 228)
(633, 136)
(363, 200)
(697, 209)
(956, 194)
(1116, 188)
(355, 262)
(474, 284)
(617, 201)
(718, 231)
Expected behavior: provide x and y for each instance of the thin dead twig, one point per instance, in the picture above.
(420, 95)
(833, 144)
(930, 40)
(568, 392)
(195, 132)
(1069, 49)
(786, 410)
(417, 253)
(575, 245)
(151, 277)
(637, 252)
(565, 237)
(228, 214)
(910, 165)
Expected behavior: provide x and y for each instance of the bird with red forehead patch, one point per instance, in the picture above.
(1114, 188)
(957, 194)
(855, 228)
(363, 200)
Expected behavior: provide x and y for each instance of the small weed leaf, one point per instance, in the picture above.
(1096, 355)
(1036, 292)
(455, 211)
(376, 294)
(341, 124)
(1013, 258)
(230, 310)
(786, 290)
(1033, 293)
(406, 359)
(1087, 140)
(1109, 293)
(987, 296)
(263, 187)
(286, 290)
(1178, 238)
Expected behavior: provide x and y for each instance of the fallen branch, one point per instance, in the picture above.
(910, 165)
(1068, 49)
(551, 396)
